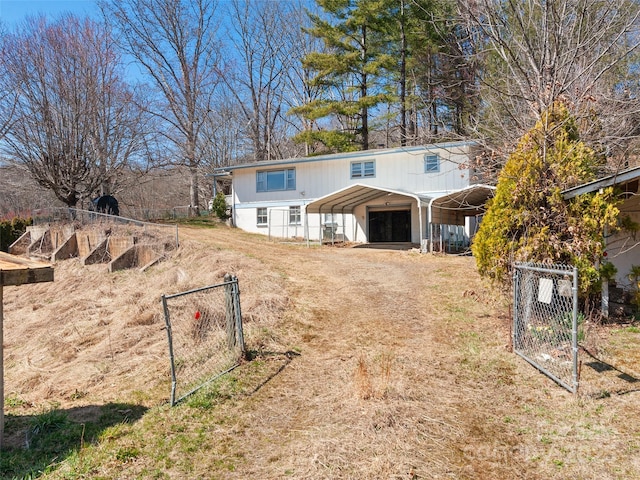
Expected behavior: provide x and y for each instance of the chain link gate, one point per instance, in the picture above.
(545, 320)
(204, 330)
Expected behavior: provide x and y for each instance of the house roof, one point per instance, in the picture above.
(341, 156)
(620, 178)
(471, 200)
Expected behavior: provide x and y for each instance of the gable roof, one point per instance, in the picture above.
(620, 178)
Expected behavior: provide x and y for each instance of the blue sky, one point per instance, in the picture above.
(12, 12)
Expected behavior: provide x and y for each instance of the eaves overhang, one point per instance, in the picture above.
(620, 178)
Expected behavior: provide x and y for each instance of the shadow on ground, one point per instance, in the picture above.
(248, 378)
(388, 246)
(602, 378)
(35, 444)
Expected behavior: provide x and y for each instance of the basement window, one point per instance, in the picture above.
(295, 217)
(261, 216)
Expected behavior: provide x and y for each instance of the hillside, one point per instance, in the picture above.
(368, 363)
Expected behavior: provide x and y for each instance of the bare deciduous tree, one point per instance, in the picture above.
(7, 96)
(175, 43)
(299, 90)
(224, 141)
(536, 52)
(75, 125)
(257, 74)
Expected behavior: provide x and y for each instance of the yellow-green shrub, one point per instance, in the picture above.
(529, 220)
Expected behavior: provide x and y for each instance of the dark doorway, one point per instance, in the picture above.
(390, 226)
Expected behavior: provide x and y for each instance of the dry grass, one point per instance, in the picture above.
(103, 334)
(402, 371)
(372, 380)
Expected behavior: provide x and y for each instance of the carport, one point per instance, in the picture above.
(440, 207)
(452, 208)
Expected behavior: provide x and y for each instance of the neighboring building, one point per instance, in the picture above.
(399, 195)
(623, 247)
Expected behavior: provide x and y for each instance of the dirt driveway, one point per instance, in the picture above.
(404, 372)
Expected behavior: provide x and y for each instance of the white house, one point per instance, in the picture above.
(400, 195)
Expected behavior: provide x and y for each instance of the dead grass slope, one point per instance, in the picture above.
(91, 336)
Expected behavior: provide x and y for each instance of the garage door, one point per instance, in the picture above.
(390, 226)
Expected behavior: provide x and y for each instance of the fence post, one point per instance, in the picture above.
(574, 331)
(238, 317)
(230, 311)
(167, 322)
(516, 297)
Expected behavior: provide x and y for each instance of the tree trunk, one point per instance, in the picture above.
(363, 93)
(194, 209)
(403, 78)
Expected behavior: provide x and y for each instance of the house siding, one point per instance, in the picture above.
(395, 169)
(622, 247)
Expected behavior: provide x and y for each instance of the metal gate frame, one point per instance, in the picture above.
(526, 312)
(234, 332)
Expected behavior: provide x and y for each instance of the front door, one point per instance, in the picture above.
(390, 226)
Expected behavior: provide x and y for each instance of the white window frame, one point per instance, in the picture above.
(431, 163)
(295, 215)
(363, 169)
(262, 214)
(330, 219)
(288, 180)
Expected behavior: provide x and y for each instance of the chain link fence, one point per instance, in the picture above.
(148, 233)
(204, 330)
(546, 326)
(285, 223)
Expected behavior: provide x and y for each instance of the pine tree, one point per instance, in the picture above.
(442, 69)
(351, 72)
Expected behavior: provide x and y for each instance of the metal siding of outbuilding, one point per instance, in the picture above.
(622, 249)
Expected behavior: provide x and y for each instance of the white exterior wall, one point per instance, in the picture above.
(623, 251)
(395, 169)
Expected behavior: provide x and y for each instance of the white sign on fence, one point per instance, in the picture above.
(545, 290)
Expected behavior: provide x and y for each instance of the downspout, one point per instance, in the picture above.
(420, 222)
(306, 226)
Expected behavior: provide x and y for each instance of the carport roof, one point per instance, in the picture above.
(471, 200)
(348, 198)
